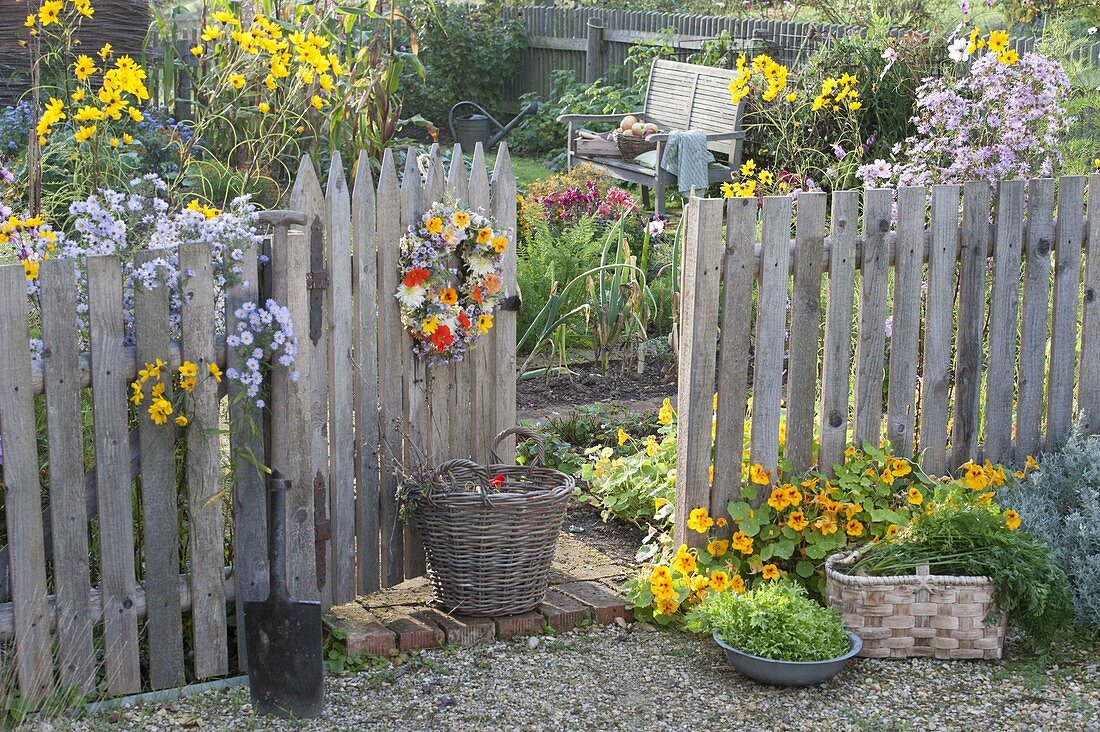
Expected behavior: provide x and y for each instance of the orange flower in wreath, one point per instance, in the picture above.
(416, 276)
(448, 296)
(492, 283)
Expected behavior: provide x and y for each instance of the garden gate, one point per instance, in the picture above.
(950, 360)
(106, 553)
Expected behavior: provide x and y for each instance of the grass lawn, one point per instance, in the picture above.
(527, 170)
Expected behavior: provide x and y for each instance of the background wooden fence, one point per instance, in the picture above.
(956, 339)
(101, 572)
(593, 41)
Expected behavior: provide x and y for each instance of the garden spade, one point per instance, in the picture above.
(283, 635)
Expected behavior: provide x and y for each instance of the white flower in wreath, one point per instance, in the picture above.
(452, 236)
(411, 297)
(481, 266)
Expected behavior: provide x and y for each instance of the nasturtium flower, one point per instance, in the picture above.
(915, 497)
(742, 543)
(826, 524)
(892, 529)
(1012, 519)
(499, 244)
(854, 527)
(737, 584)
(769, 572)
(778, 499)
(974, 477)
(718, 547)
(699, 520)
(797, 520)
(758, 475)
(622, 437)
(684, 561)
(719, 581)
(665, 414)
(448, 296)
(461, 219)
(651, 445)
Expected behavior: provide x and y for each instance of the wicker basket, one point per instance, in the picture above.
(631, 146)
(938, 616)
(490, 544)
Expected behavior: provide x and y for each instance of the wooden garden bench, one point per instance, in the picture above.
(679, 96)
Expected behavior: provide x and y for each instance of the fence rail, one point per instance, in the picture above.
(105, 558)
(950, 337)
(592, 41)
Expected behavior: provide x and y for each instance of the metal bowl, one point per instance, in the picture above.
(788, 673)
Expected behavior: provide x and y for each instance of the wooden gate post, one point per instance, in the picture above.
(703, 248)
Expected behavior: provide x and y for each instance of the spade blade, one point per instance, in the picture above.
(283, 638)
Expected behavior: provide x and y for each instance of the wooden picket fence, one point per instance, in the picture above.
(963, 349)
(85, 597)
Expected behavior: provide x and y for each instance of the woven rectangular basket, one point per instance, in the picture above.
(937, 616)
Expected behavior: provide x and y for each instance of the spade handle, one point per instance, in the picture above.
(277, 488)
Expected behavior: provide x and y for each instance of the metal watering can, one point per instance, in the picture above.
(472, 128)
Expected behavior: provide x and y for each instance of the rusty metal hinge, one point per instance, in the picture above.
(316, 280)
(322, 527)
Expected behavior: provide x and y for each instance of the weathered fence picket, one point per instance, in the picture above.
(158, 498)
(391, 367)
(739, 273)
(367, 425)
(341, 497)
(905, 320)
(112, 465)
(34, 656)
(1068, 231)
(938, 327)
(953, 397)
(968, 340)
(65, 451)
(836, 368)
(309, 493)
(1033, 330)
(204, 481)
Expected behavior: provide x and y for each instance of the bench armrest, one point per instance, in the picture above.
(595, 117)
(715, 137)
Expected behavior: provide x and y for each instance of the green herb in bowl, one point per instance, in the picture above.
(776, 620)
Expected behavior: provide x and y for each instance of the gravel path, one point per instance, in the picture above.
(614, 679)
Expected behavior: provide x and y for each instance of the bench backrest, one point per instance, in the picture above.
(689, 97)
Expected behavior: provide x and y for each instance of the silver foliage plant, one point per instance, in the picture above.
(1060, 503)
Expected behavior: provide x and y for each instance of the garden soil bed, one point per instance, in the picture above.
(588, 385)
(617, 539)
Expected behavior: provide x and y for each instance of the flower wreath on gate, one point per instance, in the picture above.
(451, 268)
